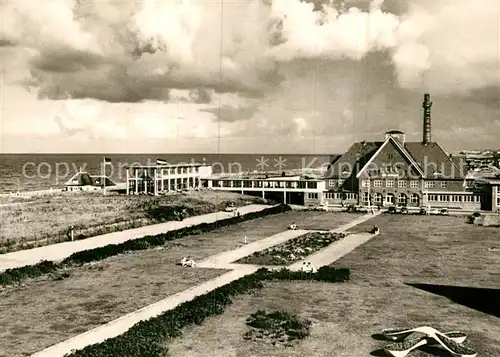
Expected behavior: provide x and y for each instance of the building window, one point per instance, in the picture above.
(340, 182)
(432, 198)
(366, 197)
(498, 190)
(444, 184)
(389, 183)
(365, 183)
(377, 183)
(402, 184)
(444, 198)
(389, 198)
(402, 199)
(331, 183)
(312, 195)
(350, 196)
(414, 184)
(237, 183)
(377, 198)
(429, 184)
(456, 198)
(414, 199)
(498, 202)
(312, 185)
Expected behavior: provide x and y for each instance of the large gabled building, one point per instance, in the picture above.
(397, 172)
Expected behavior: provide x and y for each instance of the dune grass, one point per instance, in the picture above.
(39, 221)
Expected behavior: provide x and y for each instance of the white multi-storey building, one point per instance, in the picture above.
(157, 179)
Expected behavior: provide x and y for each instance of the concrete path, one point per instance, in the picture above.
(221, 261)
(56, 252)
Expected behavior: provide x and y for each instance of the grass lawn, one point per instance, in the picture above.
(45, 311)
(37, 221)
(437, 251)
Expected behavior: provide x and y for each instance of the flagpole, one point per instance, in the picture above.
(103, 176)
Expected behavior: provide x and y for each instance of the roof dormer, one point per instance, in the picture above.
(396, 134)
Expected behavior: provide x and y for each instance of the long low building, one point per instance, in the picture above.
(297, 189)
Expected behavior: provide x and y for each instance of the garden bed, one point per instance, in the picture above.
(277, 328)
(293, 250)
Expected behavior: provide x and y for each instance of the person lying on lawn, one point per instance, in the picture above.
(190, 262)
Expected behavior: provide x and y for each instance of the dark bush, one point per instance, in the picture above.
(169, 213)
(16, 275)
(277, 327)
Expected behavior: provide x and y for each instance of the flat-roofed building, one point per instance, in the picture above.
(296, 189)
(490, 188)
(163, 178)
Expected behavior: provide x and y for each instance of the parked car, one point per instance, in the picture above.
(398, 210)
(322, 207)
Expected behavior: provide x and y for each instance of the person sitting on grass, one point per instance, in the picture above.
(311, 268)
(375, 230)
(190, 262)
(303, 267)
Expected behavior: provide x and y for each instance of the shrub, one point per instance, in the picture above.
(147, 338)
(16, 275)
(277, 327)
(169, 213)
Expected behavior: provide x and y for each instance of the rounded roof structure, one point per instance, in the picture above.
(394, 132)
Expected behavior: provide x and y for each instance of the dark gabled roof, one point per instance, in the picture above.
(359, 150)
(394, 132)
(84, 179)
(432, 156)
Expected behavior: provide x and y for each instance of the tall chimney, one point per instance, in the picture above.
(427, 104)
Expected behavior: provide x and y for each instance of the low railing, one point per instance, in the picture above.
(32, 193)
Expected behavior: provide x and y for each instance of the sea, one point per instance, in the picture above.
(31, 172)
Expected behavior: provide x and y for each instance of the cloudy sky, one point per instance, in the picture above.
(245, 76)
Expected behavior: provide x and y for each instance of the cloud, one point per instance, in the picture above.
(120, 51)
(227, 113)
(448, 47)
(133, 51)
